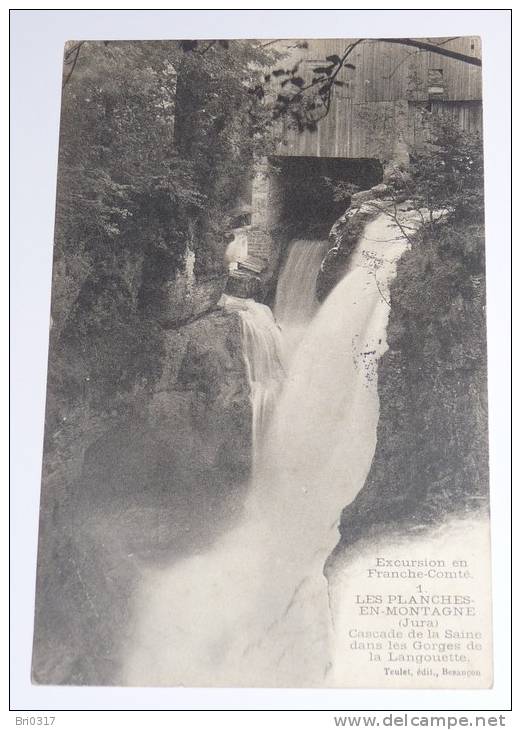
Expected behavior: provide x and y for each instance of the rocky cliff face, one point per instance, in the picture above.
(431, 455)
(364, 206)
(160, 481)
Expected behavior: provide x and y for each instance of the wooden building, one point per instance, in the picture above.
(376, 116)
(380, 105)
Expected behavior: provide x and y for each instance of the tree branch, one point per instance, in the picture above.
(433, 48)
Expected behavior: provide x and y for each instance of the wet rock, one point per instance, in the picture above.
(374, 193)
(343, 238)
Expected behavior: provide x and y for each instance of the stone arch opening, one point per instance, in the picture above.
(312, 192)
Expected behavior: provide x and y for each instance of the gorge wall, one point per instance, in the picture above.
(124, 488)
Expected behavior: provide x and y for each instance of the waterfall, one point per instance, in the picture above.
(253, 610)
(262, 348)
(323, 432)
(295, 300)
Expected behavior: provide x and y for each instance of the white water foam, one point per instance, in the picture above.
(253, 610)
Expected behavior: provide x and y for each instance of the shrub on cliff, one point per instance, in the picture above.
(155, 140)
(446, 172)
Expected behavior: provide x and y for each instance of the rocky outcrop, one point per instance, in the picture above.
(187, 451)
(431, 454)
(364, 206)
(132, 489)
(187, 297)
(344, 235)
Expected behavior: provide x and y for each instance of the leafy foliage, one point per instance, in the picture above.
(304, 98)
(305, 101)
(447, 172)
(156, 139)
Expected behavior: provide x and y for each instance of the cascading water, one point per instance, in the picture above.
(262, 347)
(253, 610)
(295, 300)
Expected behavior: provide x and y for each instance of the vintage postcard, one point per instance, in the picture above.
(265, 459)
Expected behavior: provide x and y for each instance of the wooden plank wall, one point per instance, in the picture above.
(467, 114)
(386, 76)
